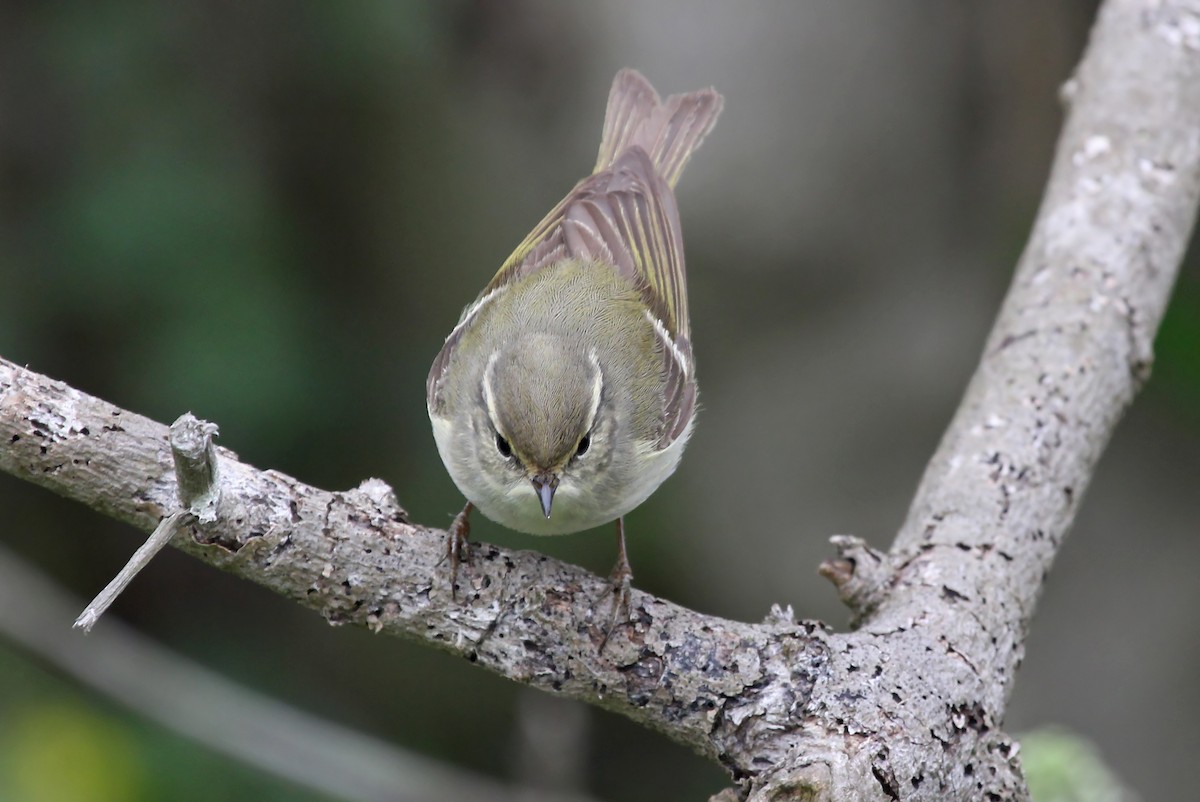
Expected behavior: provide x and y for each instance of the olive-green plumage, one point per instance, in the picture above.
(570, 379)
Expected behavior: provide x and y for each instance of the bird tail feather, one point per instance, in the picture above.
(668, 130)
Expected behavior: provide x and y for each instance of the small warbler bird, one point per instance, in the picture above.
(567, 391)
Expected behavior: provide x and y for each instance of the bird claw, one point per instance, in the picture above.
(621, 600)
(621, 595)
(458, 545)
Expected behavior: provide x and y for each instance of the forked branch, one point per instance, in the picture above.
(907, 706)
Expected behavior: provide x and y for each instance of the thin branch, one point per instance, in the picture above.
(196, 473)
(197, 470)
(161, 536)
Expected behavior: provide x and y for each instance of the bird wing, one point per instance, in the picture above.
(625, 217)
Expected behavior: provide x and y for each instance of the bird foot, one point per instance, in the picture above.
(620, 612)
(458, 545)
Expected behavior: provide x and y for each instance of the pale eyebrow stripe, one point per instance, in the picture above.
(488, 398)
(597, 387)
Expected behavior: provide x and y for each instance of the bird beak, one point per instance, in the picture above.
(545, 484)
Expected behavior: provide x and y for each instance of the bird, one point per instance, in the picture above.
(566, 393)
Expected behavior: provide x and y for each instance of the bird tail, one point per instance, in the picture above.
(669, 131)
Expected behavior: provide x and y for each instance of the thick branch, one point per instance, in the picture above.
(1070, 348)
(1072, 344)
(355, 558)
(909, 705)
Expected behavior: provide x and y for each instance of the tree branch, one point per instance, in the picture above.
(908, 705)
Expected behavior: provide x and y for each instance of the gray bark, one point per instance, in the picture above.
(907, 706)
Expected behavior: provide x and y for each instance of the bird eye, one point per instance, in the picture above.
(585, 443)
(503, 447)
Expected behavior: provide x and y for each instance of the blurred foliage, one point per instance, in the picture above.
(55, 752)
(1177, 348)
(58, 745)
(1061, 766)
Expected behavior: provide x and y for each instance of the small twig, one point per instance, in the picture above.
(860, 573)
(159, 538)
(196, 465)
(196, 475)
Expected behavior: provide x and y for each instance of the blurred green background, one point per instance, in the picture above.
(270, 214)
